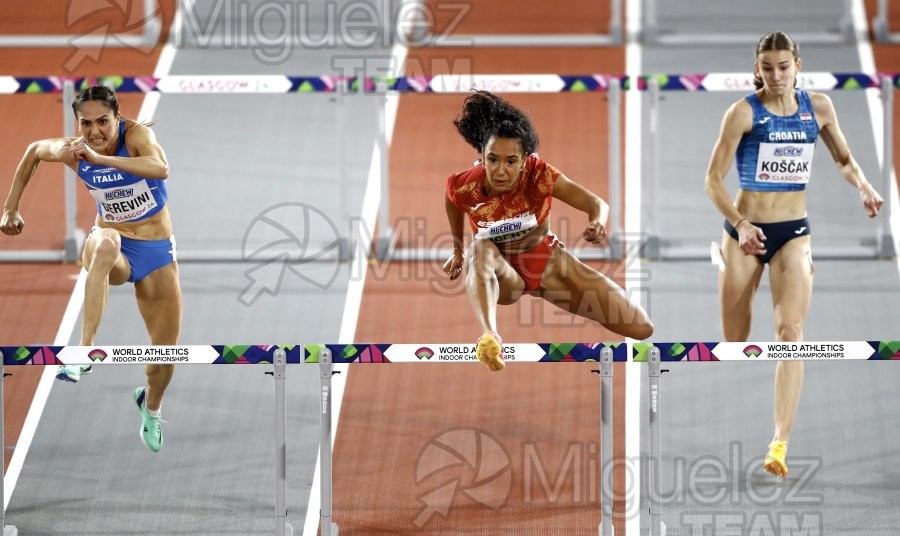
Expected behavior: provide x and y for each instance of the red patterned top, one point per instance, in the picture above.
(510, 215)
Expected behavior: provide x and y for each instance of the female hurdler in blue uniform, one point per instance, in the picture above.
(771, 134)
(124, 169)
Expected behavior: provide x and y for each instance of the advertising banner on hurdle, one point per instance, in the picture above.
(147, 355)
(770, 351)
(464, 353)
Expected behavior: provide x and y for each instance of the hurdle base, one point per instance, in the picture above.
(333, 530)
(10, 530)
(610, 531)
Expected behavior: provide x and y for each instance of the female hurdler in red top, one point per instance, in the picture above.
(507, 196)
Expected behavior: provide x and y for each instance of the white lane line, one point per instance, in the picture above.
(876, 112)
(358, 270)
(70, 318)
(633, 192)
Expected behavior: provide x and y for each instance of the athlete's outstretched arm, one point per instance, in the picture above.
(579, 197)
(149, 159)
(49, 150)
(834, 139)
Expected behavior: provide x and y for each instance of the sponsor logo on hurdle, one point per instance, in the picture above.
(753, 351)
(138, 355)
(424, 353)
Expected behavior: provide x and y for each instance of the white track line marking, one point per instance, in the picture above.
(358, 270)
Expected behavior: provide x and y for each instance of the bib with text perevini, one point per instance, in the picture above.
(785, 163)
(508, 229)
(125, 203)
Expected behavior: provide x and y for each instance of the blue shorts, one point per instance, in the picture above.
(777, 234)
(146, 256)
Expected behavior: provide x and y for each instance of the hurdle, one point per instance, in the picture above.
(657, 247)
(881, 25)
(657, 353)
(147, 18)
(327, 355)
(356, 240)
(276, 356)
(656, 34)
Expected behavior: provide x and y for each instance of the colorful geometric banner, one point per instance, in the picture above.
(450, 353)
(146, 355)
(444, 83)
(770, 351)
(463, 353)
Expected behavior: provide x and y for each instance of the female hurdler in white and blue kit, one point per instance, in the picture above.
(771, 135)
(125, 171)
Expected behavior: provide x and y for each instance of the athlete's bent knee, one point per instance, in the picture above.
(106, 252)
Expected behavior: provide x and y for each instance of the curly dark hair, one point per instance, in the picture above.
(485, 115)
(775, 41)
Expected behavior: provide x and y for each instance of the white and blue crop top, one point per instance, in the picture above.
(776, 155)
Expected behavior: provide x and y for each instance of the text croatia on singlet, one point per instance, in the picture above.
(787, 136)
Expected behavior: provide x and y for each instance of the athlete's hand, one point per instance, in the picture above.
(81, 150)
(751, 238)
(595, 233)
(11, 223)
(870, 199)
(454, 265)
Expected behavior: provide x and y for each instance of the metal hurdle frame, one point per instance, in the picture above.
(74, 237)
(8, 530)
(652, 35)
(328, 527)
(710, 352)
(655, 247)
(279, 374)
(152, 29)
(881, 25)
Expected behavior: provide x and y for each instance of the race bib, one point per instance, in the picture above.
(125, 203)
(784, 163)
(507, 230)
